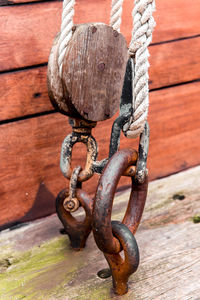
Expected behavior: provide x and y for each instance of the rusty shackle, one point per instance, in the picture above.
(66, 154)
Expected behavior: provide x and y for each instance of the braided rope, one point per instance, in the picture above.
(143, 25)
(66, 30)
(116, 14)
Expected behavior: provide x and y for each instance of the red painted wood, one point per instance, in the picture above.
(27, 32)
(30, 150)
(25, 92)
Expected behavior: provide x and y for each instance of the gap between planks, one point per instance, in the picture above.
(170, 252)
(25, 92)
(183, 16)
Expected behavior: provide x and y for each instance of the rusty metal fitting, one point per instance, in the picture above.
(110, 237)
(78, 231)
(71, 203)
(102, 229)
(82, 126)
(75, 123)
(141, 170)
(113, 237)
(66, 154)
(130, 171)
(121, 268)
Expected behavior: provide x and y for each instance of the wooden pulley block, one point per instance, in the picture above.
(91, 82)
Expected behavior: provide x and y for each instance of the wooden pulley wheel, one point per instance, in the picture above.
(91, 82)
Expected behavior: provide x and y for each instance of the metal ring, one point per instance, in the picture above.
(102, 228)
(66, 155)
(121, 268)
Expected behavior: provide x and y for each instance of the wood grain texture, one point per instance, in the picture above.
(11, 2)
(168, 242)
(30, 150)
(25, 92)
(27, 32)
(173, 63)
(93, 79)
(54, 83)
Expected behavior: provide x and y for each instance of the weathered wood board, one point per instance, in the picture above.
(30, 150)
(36, 25)
(97, 98)
(36, 262)
(172, 63)
(31, 132)
(25, 92)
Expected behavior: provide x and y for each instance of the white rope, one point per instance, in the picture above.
(66, 30)
(116, 14)
(143, 25)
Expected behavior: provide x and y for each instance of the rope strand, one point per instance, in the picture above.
(116, 14)
(143, 25)
(66, 30)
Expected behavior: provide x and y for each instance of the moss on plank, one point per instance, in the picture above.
(38, 273)
(161, 205)
(196, 219)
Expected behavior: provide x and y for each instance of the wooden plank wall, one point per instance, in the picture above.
(31, 131)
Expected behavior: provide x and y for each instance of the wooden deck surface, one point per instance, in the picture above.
(36, 262)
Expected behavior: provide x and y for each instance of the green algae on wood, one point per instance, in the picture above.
(39, 272)
(196, 219)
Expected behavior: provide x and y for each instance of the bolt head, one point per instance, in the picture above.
(116, 33)
(94, 29)
(101, 66)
